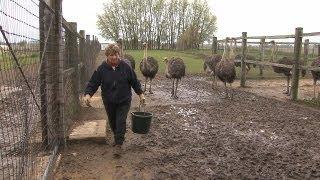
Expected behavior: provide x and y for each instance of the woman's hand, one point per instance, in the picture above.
(142, 100)
(87, 100)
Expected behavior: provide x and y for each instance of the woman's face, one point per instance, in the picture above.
(113, 60)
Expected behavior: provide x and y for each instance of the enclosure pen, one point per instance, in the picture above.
(298, 61)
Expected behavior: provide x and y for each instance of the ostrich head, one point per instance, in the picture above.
(119, 42)
(165, 60)
(145, 45)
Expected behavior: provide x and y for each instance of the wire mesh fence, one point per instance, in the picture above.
(44, 64)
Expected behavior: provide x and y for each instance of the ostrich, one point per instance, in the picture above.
(175, 69)
(225, 69)
(131, 59)
(148, 67)
(248, 67)
(209, 66)
(127, 58)
(286, 71)
(315, 75)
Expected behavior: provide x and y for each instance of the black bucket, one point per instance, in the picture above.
(140, 122)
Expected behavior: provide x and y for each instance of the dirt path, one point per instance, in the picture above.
(201, 136)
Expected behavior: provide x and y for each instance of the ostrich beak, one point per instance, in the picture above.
(164, 59)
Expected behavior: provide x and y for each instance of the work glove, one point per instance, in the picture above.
(87, 100)
(142, 100)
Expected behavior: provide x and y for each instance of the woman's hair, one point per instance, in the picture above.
(112, 49)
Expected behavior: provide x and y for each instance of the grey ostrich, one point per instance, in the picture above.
(248, 67)
(286, 71)
(131, 59)
(127, 58)
(281, 70)
(148, 67)
(175, 69)
(209, 66)
(315, 75)
(225, 69)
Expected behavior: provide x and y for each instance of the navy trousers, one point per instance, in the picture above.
(117, 116)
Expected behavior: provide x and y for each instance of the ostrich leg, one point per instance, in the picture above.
(172, 90)
(215, 80)
(226, 90)
(314, 87)
(176, 89)
(150, 87)
(231, 92)
(288, 84)
(145, 85)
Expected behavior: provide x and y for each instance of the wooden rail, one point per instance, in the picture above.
(308, 68)
(276, 36)
(66, 25)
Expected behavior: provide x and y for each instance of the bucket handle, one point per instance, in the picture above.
(141, 108)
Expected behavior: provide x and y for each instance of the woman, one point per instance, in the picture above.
(116, 79)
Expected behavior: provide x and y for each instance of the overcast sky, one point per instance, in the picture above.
(257, 17)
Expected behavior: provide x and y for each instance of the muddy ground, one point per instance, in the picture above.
(202, 136)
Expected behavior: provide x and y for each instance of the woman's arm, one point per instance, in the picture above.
(94, 83)
(135, 84)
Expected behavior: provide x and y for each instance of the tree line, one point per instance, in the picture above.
(164, 24)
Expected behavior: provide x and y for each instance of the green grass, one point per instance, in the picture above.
(193, 62)
(7, 62)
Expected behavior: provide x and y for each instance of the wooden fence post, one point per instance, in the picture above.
(88, 57)
(296, 69)
(74, 60)
(43, 27)
(73, 49)
(305, 51)
(262, 53)
(244, 56)
(60, 128)
(214, 45)
(54, 76)
(82, 45)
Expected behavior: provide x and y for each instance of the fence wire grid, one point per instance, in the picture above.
(42, 58)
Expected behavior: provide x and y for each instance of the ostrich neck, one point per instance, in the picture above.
(121, 55)
(273, 53)
(144, 63)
